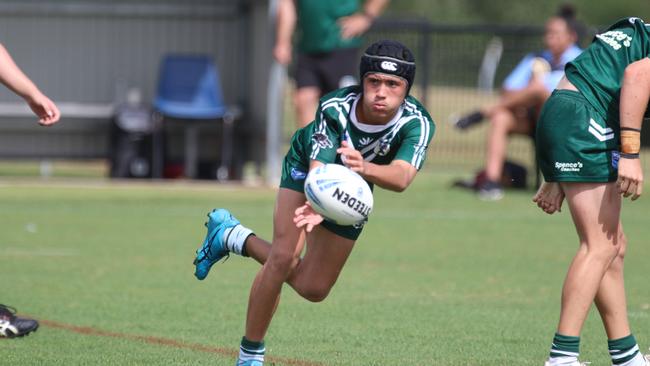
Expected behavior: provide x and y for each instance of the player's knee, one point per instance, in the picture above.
(282, 262)
(604, 253)
(315, 293)
(501, 118)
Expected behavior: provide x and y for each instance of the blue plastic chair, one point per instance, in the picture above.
(189, 89)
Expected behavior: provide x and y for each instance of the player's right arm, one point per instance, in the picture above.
(286, 24)
(14, 79)
(635, 95)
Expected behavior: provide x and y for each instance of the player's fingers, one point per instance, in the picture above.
(622, 185)
(631, 188)
(639, 190)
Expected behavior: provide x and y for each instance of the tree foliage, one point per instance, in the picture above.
(591, 12)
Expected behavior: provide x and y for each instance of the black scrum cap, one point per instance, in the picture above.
(389, 57)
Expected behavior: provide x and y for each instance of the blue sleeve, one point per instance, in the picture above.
(520, 76)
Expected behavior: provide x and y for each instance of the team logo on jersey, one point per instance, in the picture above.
(389, 66)
(382, 148)
(298, 174)
(364, 141)
(321, 140)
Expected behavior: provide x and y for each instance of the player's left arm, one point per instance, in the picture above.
(635, 94)
(396, 176)
(13, 78)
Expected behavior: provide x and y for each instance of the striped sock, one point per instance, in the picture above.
(625, 352)
(564, 350)
(250, 351)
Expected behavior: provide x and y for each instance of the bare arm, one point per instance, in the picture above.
(14, 79)
(396, 176)
(635, 94)
(286, 24)
(358, 23)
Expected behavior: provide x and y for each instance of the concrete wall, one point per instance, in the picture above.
(90, 51)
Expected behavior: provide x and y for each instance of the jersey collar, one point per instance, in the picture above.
(368, 128)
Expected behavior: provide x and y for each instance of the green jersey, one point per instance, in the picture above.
(598, 71)
(405, 137)
(318, 28)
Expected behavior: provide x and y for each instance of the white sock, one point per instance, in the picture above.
(562, 361)
(638, 360)
(235, 237)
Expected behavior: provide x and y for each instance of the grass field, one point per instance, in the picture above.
(437, 278)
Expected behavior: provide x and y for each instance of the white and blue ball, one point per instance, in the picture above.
(339, 194)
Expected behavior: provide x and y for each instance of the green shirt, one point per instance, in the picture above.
(318, 30)
(598, 71)
(406, 137)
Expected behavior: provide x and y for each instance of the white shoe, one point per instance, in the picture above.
(647, 359)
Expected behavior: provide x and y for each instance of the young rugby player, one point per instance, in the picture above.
(376, 129)
(588, 142)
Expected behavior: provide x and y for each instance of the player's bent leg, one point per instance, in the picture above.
(595, 209)
(317, 272)
(288, 241)
(306, 102)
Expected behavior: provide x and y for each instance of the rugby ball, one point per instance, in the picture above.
(339, 194)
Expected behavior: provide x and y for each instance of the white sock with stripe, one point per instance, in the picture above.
(235, 238)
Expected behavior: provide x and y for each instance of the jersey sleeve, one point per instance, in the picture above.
(325, 139)
(520, 76)
(417, 135)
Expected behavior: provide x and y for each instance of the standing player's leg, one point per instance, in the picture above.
(308, 88)
(596, 274)
(306, 102)
(595, 209)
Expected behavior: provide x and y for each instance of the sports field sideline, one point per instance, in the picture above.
(437, 278)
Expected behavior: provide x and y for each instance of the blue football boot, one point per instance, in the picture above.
(213, 248)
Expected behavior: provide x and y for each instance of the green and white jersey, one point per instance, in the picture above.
(598, 71)
(405, 137)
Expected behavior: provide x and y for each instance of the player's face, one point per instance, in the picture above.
(382, 96)
(558, 36)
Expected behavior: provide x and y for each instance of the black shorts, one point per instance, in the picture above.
(327, 71)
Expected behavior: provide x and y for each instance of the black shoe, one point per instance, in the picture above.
(490, 191)
(468, 120)
(13, 326)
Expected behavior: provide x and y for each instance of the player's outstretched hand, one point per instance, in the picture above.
(630, 178)
(306, 217)
(549, 197)
(352, 158)
(45, 109)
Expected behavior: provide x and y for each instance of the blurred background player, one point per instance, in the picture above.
(524, 92)
(384, 137)
(328, 43)
(588, 144)
(13, 78)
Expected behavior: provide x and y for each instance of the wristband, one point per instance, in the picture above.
(629, 156)
(630, 140)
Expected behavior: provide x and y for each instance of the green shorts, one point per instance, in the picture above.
(574, 142)
(294, 171)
